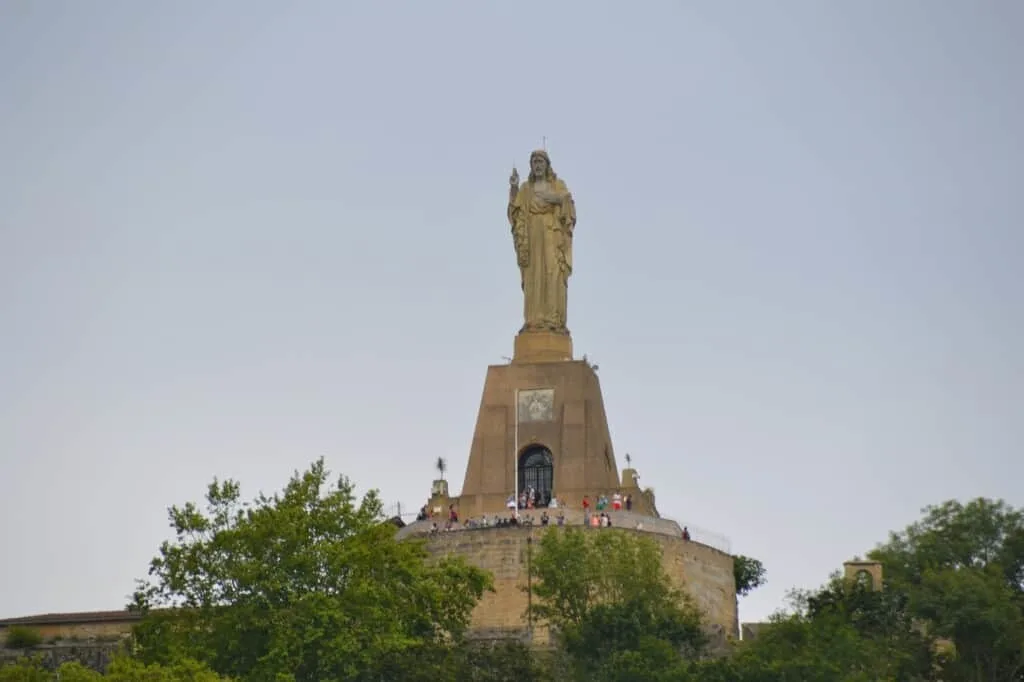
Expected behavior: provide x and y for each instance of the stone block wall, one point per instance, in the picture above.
(94, 655)
(79, 630)
(706, 573)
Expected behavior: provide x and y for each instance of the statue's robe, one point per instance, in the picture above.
(542, 234)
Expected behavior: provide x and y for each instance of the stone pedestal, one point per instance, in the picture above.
(560, 409)
(534, 347)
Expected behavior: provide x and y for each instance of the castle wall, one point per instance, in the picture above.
(706, 573)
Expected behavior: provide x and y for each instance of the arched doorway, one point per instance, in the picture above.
(537, 471)
(865, 579)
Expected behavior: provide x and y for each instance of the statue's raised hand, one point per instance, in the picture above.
(513, 185)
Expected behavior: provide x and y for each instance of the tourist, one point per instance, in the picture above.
(617, 501)
(686, 533)
(629, 502)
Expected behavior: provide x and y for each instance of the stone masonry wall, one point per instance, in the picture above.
(706, 573)
(80, 631)
(95, 655)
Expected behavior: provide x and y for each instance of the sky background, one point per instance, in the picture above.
(236, 237)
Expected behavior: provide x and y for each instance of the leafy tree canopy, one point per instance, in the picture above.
(749, 574)
(950, 609)
(611, 603)
(307, 584)
(961, 570)
(21, 637)
(122, 669)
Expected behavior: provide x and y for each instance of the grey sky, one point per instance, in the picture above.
(237, 236)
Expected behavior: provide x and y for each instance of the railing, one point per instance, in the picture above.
(709, 538)
(574, 518)
(407, 513)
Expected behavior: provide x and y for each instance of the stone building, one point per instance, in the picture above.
(84, 625)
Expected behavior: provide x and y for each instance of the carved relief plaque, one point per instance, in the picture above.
(537, 405)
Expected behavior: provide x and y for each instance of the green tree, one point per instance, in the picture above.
(309, 584)
(749, 574)
(610, 602)
(961, 569)
(25, 669)
(122, 669)
(76, 672)
(498, 662)
(879, 620)
(802, 649)
(950, 609)
(21, 637)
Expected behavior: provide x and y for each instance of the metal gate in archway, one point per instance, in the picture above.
(537, 471)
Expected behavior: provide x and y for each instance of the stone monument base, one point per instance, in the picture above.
(561, 417)
(541, 346)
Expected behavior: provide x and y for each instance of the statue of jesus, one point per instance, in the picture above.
(543, 215)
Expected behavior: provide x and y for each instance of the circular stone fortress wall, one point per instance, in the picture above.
(703, 571)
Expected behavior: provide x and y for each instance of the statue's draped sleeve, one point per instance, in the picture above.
(567, 223)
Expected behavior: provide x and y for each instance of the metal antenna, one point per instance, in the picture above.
(544, 143)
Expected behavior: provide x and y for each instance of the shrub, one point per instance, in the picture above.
(20, 637)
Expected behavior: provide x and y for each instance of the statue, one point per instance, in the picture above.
(543, 215)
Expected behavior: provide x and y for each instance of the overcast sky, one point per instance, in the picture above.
(238, 236)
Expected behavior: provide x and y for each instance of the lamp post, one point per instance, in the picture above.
(515, 457)
(529, 584)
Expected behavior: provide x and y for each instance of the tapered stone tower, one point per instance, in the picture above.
(563, 446)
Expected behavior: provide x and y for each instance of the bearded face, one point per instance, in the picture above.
(540, 169)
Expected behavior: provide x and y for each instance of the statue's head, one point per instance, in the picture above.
(540, 166)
